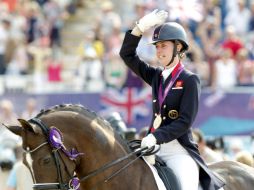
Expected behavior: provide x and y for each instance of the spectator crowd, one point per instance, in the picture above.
(220, 33)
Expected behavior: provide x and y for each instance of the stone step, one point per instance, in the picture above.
(76, 26)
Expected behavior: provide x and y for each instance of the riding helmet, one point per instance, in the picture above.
(170, 31)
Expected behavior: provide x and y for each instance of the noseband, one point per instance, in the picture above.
(74, 183)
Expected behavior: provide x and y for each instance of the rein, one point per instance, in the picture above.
(139, 152)
(142, 151)
(74, 181)
(110, 164)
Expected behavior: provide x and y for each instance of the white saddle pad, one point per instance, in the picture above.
(157, 178)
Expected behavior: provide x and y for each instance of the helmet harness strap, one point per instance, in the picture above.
(175, 52)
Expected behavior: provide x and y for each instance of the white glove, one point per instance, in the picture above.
(154, 18)
(148, 141)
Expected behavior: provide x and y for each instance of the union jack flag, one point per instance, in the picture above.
(129, 102)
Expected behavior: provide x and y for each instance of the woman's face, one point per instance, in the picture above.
(164, 51)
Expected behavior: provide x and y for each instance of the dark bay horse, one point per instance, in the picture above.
(66, 141)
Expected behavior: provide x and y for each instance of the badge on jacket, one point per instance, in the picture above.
(173, 114)
(178, 85)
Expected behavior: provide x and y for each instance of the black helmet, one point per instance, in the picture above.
(170, 31)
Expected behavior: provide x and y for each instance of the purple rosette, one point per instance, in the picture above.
(55, 138)
(56, 141)
(74, 184)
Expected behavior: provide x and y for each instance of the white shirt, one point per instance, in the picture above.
(226, 74)
(239, 19)
(166, 72)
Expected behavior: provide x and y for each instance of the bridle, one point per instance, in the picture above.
(74, 182)
(59, 185)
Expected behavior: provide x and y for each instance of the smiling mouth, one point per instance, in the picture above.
(162, 56)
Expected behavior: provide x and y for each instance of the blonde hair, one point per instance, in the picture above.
(245, 158)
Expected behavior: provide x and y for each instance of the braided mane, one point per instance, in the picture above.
(78, 108)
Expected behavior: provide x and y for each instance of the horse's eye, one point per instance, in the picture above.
(45, 161)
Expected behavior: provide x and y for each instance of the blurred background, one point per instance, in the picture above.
(67, 51)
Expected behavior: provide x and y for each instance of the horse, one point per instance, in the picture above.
(71, 147)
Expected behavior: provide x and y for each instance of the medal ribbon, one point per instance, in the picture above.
(175, 74)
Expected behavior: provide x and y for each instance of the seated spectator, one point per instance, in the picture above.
(235, 146)
(7, 159)
(108, 19)
(251, 23)
(245, 158)
(239, 17)
(195, 63)
(90, 67)
(30, 110)
(210, 35)
(207, 153)
(225, 72)
(55, 15)
(232, 41)
(54, 70)
(40, 51)
(20, 177)
(7, 113)
(4, 38)
(115, 73)
(245, 68)
(19, 64)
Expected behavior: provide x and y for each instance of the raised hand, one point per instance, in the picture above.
(152, 19)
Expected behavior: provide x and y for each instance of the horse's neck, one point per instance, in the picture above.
(104, 147)
(137, 176)
(99, 146)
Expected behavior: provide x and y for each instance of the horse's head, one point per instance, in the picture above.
(52, 142)
(50, 163)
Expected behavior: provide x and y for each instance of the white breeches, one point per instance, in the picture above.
(183, 165)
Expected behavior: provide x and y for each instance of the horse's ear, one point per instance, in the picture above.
(30, 127)
(14, 129)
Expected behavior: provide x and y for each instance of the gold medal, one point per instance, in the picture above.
(157, 121)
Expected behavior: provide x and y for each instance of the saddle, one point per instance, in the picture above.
(167, 175)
